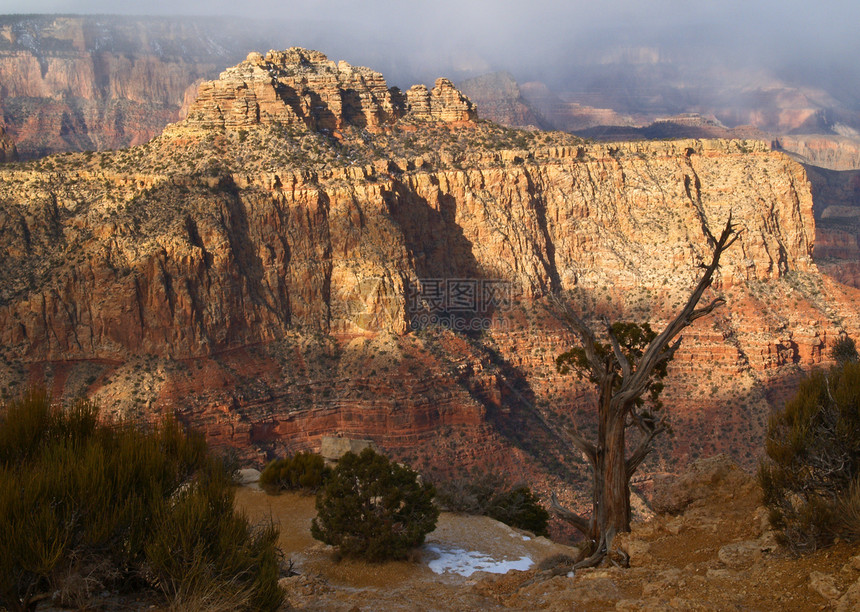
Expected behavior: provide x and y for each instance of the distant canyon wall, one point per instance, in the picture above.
(73, 83)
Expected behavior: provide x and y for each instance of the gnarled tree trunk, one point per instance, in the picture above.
(621, 383)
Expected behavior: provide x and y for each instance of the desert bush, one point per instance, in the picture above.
(303, 470)
(76, 494)
(468, 495)
(520, 508)
(373, 508)
(810, 478)
(844, 350)
(203, 555)
(486, 495)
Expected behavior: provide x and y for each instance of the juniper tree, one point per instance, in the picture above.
(627, 370)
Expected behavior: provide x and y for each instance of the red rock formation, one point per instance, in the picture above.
(304, 87)
(269, 303)
(72, 83)
(442, 103)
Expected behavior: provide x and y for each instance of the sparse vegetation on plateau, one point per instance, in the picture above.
(88, 507)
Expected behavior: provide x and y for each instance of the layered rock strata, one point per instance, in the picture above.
(272, 303)
(301, 87)
(73, 83)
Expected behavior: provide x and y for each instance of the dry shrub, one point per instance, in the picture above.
(303, 470)
(85, 506)
(809, 479)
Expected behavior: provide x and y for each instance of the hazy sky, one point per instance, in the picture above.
(819, 39)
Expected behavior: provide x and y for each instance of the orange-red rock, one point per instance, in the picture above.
(268, 303)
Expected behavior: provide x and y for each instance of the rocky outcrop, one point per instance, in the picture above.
(825, 151)
(332, 448)
(837, 230)
(8, 150)
(696, 485)
(442, 103)
(301, 87)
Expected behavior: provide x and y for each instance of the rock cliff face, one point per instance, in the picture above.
(499, 99)
(71, 83)
(8, 150)
(301, 87)
(830, 152)
(837, 230)
(274, 272)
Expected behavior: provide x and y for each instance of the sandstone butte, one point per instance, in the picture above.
(253, 270)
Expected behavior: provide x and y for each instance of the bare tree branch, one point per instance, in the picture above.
(589, 449)
(669, 353)
(643, 449)
(651, 357)
(706, 310)
(582, 524)
(578, 326)
(616, 349)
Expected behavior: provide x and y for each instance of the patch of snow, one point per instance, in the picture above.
(247, 477)
(466, 563)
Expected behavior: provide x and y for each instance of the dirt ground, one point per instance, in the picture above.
(716, 553)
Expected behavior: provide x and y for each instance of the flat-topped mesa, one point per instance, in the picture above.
(303, 87)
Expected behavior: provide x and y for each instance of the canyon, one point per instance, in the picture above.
(75, 83)
(310, 252)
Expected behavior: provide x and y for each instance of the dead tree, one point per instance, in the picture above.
(623, 374)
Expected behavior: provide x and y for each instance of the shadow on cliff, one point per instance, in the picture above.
(443, 260)
(234, 219)
(449, 284)
(434, 239)
(515, 416)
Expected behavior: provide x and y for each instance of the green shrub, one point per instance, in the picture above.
(810, 480)
(100, 503)
(520, 508)
(486, 495)
(844, 350)
(374, 509)
(303, 470)
(469, 495)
